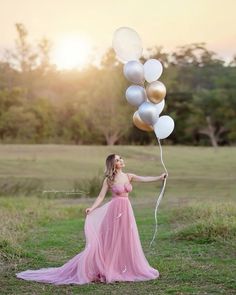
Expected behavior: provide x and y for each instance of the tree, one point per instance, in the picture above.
(108, 109)
(23, 58)
(211, 115)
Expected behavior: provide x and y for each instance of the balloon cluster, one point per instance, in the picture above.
(146, 92)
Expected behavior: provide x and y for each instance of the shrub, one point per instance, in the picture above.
(205, 223)
(13, 186)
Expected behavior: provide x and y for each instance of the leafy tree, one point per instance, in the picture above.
(89, 106)
(109, 111)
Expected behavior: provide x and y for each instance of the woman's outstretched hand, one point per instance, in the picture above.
(163, 176)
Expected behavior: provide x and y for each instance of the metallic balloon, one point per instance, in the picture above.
(134, 72)
(135, 95)
(164, 127)
(148, 113)
(160, 106)
(127, 44)
(152, 70)
(156, 91)
(138, 122)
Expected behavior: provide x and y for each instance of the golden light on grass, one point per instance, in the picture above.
(71, 51)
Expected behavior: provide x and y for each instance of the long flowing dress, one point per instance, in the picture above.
(113, 251)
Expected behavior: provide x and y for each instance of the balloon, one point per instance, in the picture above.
(133, 71)
(152, 70)
(156, 91)
(138, 122)
(148, 112)
(135, 95)
(163, 127)
(160, 106)
(127, 44)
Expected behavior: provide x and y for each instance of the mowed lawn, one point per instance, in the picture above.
(194, 249)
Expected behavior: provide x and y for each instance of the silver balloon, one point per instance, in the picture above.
(164, 127)
(127, 44)
(148, 112)
(134, 72)
(135, 95)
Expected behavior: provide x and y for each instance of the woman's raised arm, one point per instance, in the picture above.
(138, 178)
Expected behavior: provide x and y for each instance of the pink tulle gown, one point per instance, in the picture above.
(113, 250)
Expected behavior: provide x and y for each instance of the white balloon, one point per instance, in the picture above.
(164, 127)
(133, 71)
(135, 95)
(152, 70)
(160, 106)
(127, 44)
(148, 112)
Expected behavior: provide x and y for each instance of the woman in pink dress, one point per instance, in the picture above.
(113, 251)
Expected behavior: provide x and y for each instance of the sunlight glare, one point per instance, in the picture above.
(71, 51)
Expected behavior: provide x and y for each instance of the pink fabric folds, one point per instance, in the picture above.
(113, 250)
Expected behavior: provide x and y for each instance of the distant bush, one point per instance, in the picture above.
(205, 223)
(19, 186)
(91, 187)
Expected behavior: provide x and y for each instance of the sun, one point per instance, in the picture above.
(71, 51)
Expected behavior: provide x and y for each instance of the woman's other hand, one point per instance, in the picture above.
(88, 210)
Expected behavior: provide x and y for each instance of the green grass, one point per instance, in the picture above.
(194, 248)
(206, 223)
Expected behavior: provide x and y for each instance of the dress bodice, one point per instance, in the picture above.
(121, 190)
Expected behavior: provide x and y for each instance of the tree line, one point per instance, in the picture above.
(41, 104)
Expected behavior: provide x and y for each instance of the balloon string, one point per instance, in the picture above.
(161, 193)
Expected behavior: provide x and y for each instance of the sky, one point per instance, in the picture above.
(167, 23)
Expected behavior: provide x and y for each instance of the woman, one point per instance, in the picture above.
(113, 251)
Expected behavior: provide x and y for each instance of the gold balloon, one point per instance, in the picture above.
(138, 122)
(156, 91)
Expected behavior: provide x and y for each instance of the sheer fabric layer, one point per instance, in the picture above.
(113, 251)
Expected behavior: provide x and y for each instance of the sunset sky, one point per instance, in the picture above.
(168, 23)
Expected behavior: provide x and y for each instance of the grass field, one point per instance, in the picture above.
(194, 250)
